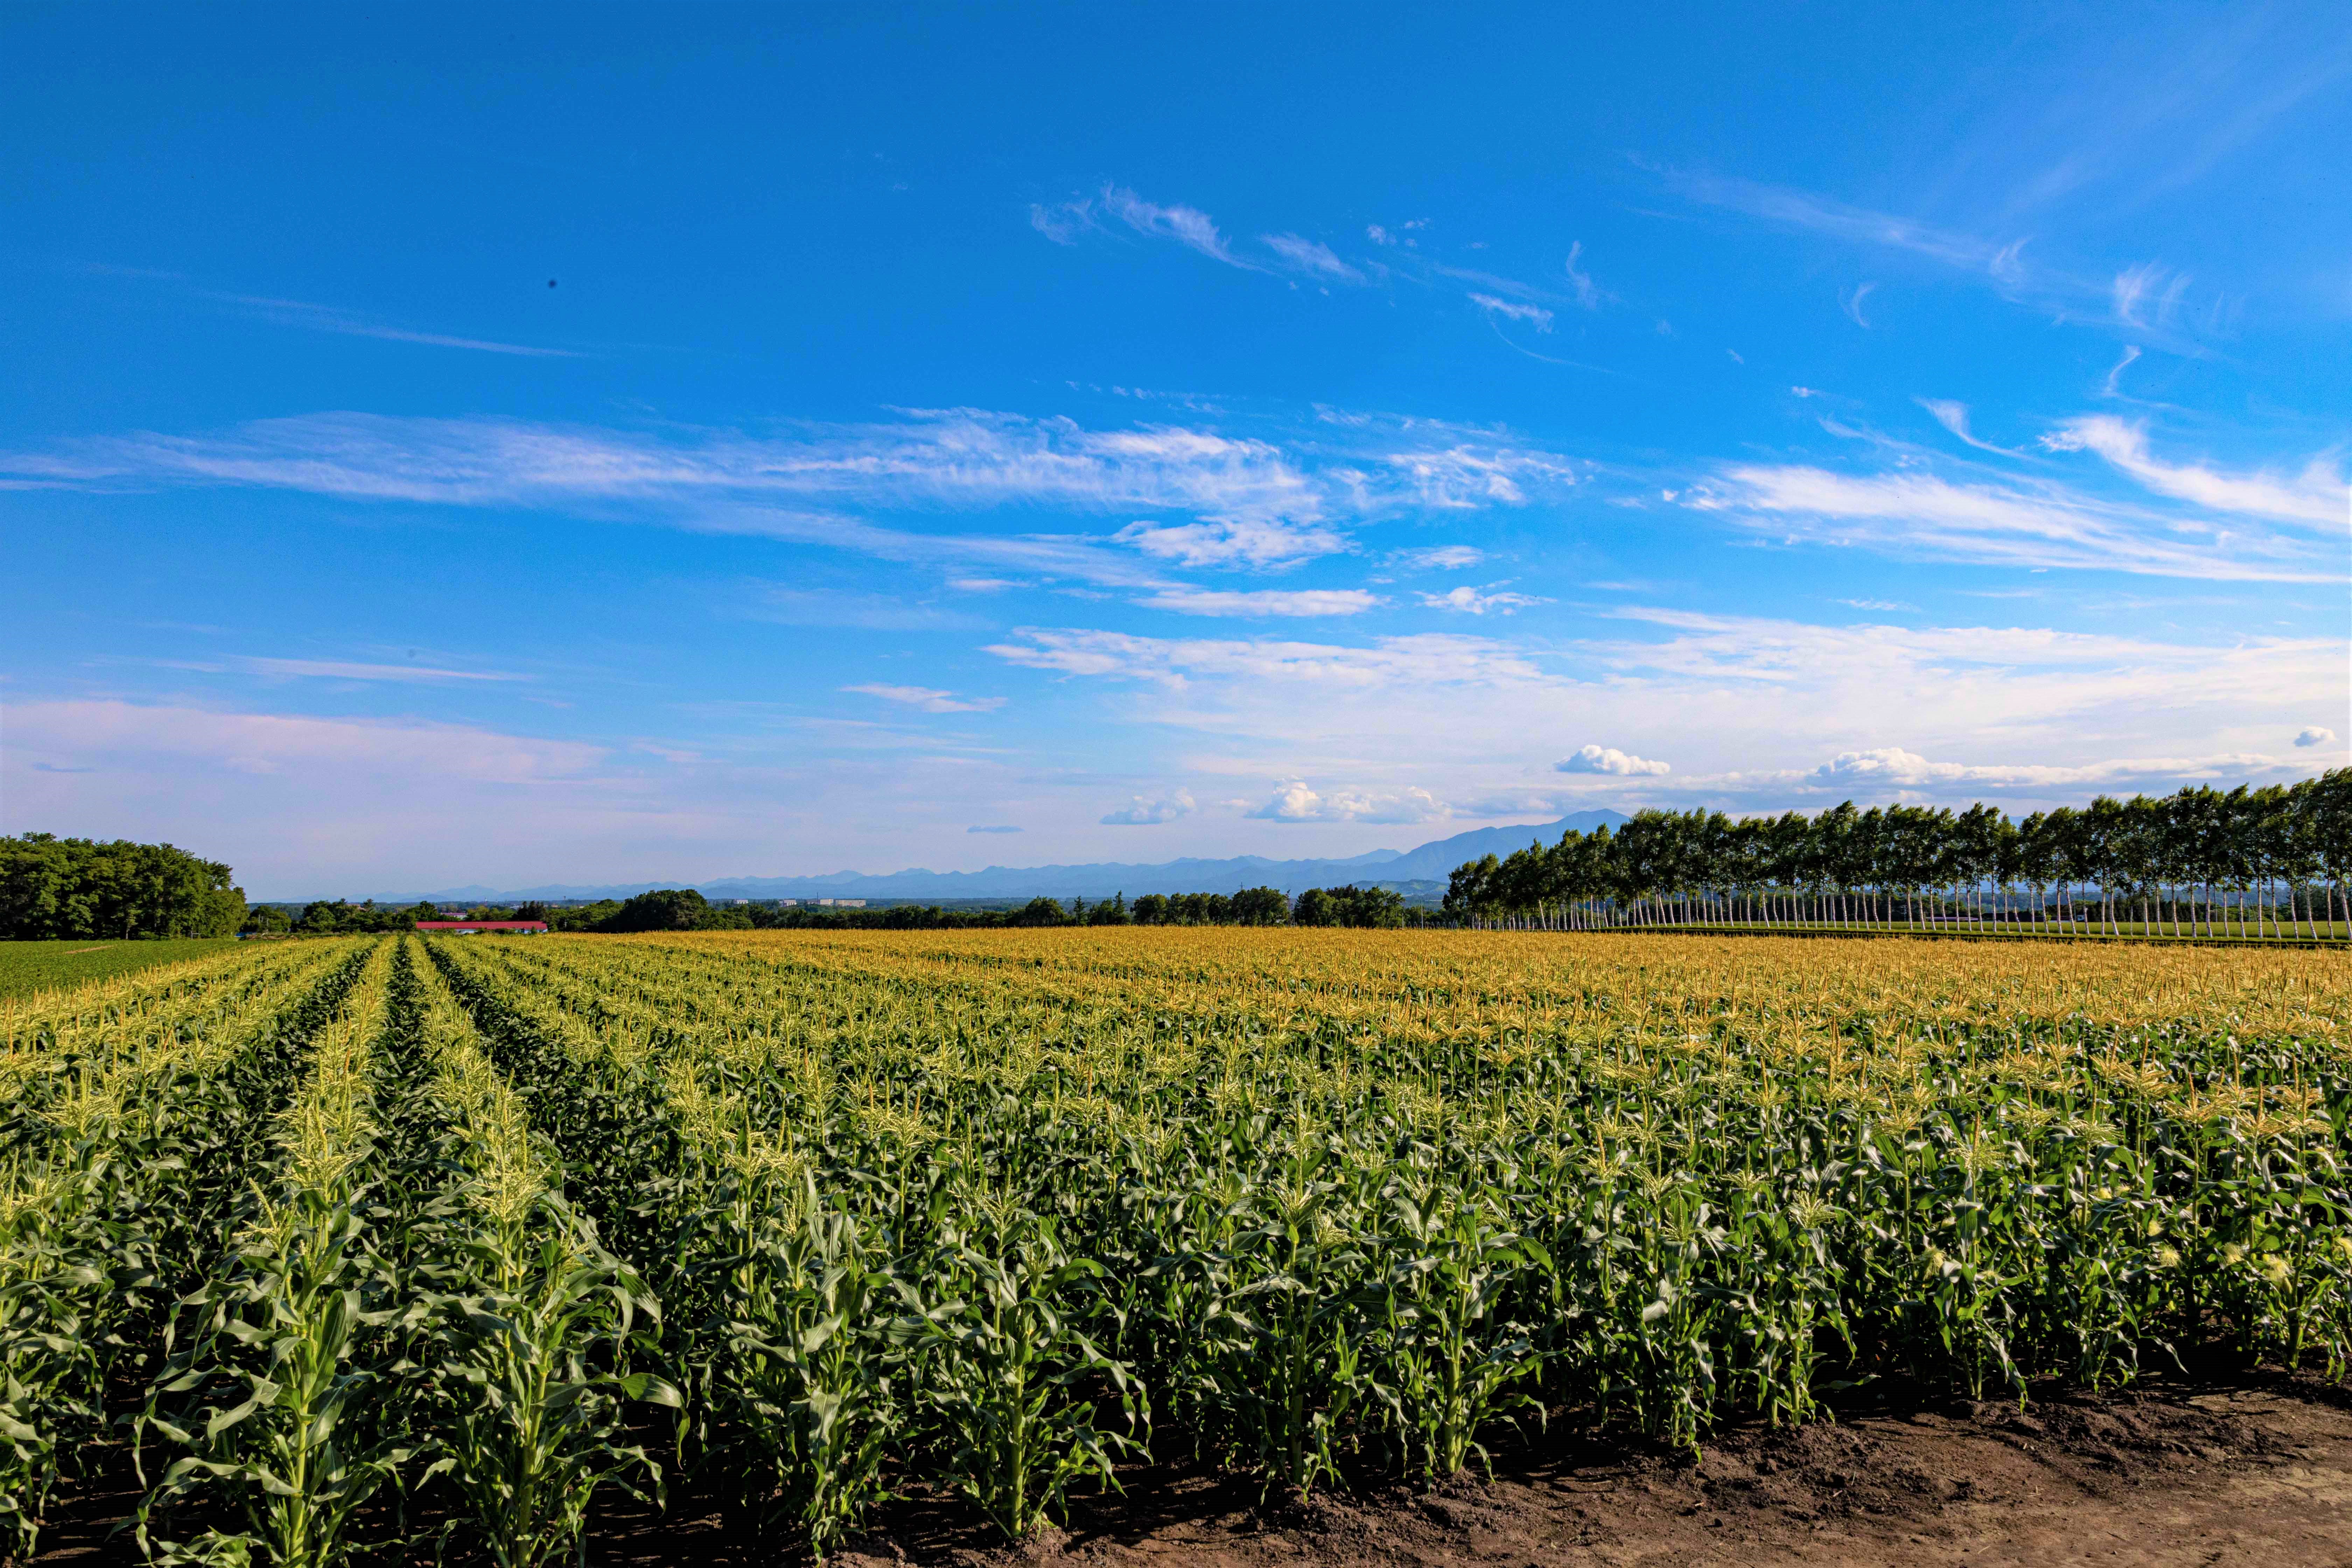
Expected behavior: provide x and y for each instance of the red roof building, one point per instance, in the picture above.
(468, 928)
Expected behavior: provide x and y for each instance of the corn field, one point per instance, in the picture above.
(425, 1250)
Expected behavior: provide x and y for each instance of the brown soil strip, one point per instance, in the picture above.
(2256, 1472)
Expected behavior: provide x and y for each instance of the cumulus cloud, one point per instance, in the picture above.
(1469, 601)
(927, 699)
(1304, 602)
(2314, 735)
(1294, 802)
(1610, 760)
(1149, 811)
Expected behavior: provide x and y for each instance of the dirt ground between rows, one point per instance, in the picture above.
(2256, 1471)
(2247, 1474)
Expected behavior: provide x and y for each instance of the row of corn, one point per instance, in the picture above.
(992, 1217)
(421, 1246)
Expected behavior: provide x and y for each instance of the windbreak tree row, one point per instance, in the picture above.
(2251, 863)
(993, 1237)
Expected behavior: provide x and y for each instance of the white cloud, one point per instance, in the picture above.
(993, 828)
(1310, 256)
(2314, 735)
(330, 319)
(2318, 495)
(1377, 235)
(1149, 811)
(1954, 418)
(1853, 303)
(2015, 524)
(1469, 601)
(1462, 477)
(1747, 706)
(2150, 284)
(1186, 225)
(1887, 768)
(2108, 388)
(1232, 541)
(1250, 502)
(101, 734)
(1423, 660)
(928, 701)
(1610, 760)
(343, 670)
(1587, 295)
(1063, 222)
(1294, 801)
(1440, 558)
(1265, 602)
(1513, 310)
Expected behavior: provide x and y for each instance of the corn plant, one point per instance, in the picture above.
(1008, 1378)
(272, 1392)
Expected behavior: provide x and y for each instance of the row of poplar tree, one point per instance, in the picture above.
(2272, 860)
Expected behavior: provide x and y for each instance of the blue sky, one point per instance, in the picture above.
(496, 445)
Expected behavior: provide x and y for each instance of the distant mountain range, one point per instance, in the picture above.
(1431, 862)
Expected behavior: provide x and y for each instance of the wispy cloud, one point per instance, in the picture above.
(1768, 697)
(1251, 502)
(1186, 225)
(1268, 602)
(927, 699)
(1954, 418)
(342, 669)
(1064, 221)
(1588, 294)
(2148, 297)
(1440, 558)
(1470, 601)
(2318, 495)
(2013, 524)
(1514, 310)
(1853, 300)
(993, 828)
(1311, 257)
(331, 319)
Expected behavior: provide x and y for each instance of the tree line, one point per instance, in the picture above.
(684, 909)
(77, 889)
(2268, 861)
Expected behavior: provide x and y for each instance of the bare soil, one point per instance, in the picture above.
(2255, 1470)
